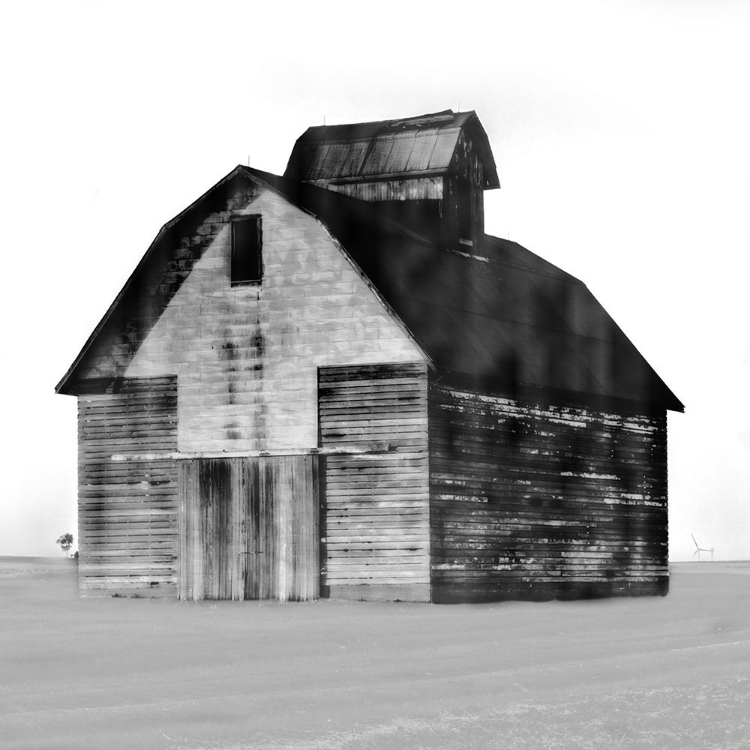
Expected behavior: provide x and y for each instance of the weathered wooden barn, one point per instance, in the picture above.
(334, 383)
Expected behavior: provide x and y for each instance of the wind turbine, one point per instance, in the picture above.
(699, 549)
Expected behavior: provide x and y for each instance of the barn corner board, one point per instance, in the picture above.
(333, 383)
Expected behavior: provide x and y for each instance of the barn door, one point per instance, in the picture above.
(249, 528)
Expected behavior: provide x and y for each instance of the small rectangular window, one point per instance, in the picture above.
(247, 242)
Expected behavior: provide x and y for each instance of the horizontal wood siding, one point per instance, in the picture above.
(249, 528)
(127, 509)
(376, 524)
(534, 501)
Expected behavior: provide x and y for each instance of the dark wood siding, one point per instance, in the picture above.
(127, 517)
(249, 528)
(376, 525)
(532, 501)
(463, 205)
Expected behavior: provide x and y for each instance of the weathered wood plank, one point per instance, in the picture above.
(128, 511)
(250, 528)
(537, 501)
(376, 530)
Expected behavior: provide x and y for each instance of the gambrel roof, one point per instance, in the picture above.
(389, 149)
(499, 314)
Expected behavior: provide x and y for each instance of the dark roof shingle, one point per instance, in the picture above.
(499, 313)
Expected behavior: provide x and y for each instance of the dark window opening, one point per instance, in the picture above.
(247, 242)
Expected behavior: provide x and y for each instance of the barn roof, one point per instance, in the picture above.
(500, 314)
(423, 145)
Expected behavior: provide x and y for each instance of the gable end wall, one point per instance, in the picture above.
(240, 369)
(247, 357)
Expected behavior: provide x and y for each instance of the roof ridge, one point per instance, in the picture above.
(471, 315)
(444, 114)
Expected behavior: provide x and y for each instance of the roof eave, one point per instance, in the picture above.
(66, 385)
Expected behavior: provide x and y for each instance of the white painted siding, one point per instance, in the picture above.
(247, 357)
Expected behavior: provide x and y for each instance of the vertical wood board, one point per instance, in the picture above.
(249, 528)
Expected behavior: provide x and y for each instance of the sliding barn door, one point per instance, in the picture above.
(249, 528)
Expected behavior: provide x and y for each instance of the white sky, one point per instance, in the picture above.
(621, 131)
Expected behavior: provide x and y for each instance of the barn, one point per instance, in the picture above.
(333, 383)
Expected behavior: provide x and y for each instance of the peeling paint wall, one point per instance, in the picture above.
(531, 501)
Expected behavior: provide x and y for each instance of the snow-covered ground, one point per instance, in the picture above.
(111, 673)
